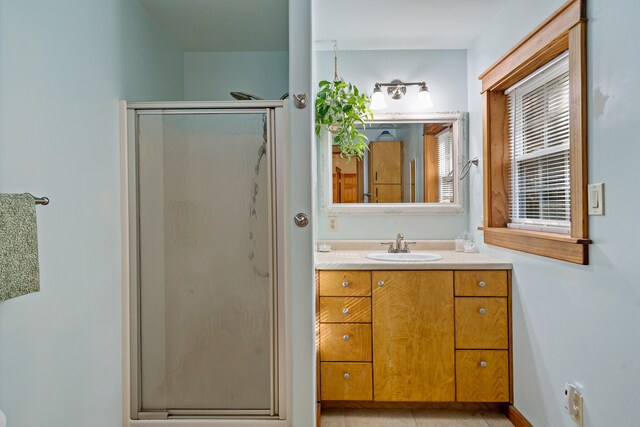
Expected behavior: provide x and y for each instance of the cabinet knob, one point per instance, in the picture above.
(482, 284)
(345, 337)
(345, 284)
(346, 376)
(483, 364)
(381, 283)
(345, 310)
(482, 311)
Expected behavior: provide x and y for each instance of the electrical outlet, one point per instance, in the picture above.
(333, 223)
(578, 417)
(572, 402)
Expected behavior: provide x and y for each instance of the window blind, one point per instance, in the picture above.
(539, 148)
(445, 166)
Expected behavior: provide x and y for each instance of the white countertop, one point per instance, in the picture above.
(345, 259)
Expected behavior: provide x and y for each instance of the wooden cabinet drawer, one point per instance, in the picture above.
(482, 376)
(345, 310)
(482, 323)
(345, 381)
(481, 283)
(345, 283)
(345, 342)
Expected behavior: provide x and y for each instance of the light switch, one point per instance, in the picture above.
(596, 199)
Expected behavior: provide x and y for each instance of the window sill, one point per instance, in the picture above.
(557, 246)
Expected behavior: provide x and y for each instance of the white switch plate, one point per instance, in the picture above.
(596, 199)
(333, 223)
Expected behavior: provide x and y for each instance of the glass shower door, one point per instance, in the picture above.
(207, 341)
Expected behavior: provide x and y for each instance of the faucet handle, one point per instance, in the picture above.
(390, 245)
(406, 245)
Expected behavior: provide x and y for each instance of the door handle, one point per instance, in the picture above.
(301, 219)
(300, 100)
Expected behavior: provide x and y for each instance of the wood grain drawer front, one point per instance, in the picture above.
(345, 283)
(345, 381)
(482, 376)
(481, 283)
(345, 310)
(482, 323)
(345, 342)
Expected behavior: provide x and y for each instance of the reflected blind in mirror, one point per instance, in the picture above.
(445, 166)
(539, 149)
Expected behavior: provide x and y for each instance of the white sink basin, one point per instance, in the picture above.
(401, 257)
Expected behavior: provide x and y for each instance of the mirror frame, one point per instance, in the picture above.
(460, 137)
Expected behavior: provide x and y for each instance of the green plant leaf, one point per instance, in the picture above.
(340, 107)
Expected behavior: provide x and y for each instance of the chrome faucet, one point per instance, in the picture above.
(399, 239)
(399, 247)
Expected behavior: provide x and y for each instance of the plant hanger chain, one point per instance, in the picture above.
(335, 61)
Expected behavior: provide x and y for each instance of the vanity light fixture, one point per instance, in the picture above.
(396, 89)
(377, 99)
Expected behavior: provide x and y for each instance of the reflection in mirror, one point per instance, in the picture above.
(405, 163)
(411, 167)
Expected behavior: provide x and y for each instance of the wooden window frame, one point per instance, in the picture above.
(565, 29)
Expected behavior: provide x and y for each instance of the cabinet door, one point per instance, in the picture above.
(481, 323)
(386, 162)
(337, 283)
(481, 283)
(345, 342)
(345, 381)
(482, 375)
(345, 310)
(413, 343)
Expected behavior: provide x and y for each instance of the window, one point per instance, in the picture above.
(540, 183)
(534, 141)
(445, 166)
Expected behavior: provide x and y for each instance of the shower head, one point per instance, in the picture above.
(243, 96)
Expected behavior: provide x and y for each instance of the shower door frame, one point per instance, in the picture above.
(277, 134)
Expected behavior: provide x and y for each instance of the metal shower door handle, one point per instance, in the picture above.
(301, 219)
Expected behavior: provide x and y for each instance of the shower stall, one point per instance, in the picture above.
(205, 259)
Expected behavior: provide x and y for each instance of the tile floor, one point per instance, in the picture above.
(332, 417)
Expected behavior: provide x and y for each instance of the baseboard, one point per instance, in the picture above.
(461, 406)
(516, 418)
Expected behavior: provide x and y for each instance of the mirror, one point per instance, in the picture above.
(411, 166)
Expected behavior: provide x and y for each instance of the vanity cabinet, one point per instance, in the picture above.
(414, 336)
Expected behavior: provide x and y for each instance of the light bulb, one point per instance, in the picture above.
(377, 99)
(424, 98)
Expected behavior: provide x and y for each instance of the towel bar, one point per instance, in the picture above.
(40, 200)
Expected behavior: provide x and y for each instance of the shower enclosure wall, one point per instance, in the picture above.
(206, 294)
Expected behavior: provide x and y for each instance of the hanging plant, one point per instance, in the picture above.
(340, 108)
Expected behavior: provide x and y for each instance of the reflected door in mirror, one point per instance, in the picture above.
(348, 179)
(385, 171)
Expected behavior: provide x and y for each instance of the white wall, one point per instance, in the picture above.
(445, 72)
(211, 76)
(63, 67)
(574, 323)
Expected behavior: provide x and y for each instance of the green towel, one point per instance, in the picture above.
(19, 269)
